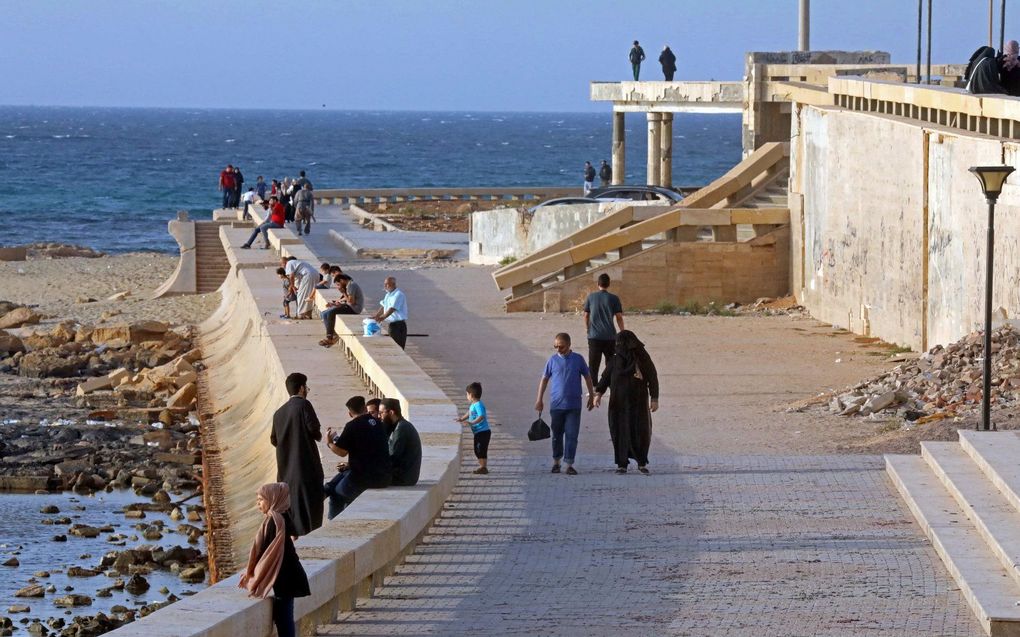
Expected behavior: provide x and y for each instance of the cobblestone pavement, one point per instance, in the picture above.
(709, 544)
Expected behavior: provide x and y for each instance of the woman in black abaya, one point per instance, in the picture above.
(633, 384)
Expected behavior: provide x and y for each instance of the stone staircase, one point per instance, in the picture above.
(966, 497)
(212, 266)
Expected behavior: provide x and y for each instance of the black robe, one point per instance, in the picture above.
(983, 73)
(630, 421)
(295, 434)
(291, 581)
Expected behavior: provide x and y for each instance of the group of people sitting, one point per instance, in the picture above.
(991, 72)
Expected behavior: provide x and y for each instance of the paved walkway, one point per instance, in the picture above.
(710, 544)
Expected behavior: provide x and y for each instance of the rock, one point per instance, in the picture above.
(118, 377)
(84, 530)
(10, 344)
(73, 600)
(134, 515)
(51, 363)
(464, 209)
(36, 628)
(19, 317)
(33, 590)
(58, 538)
(183, 398)
(94, 384)
(11, 562)
(136, 585)
(161, 497)
(152, 534)
(18, 608)
(80, 571)
(176, 514)
(119, 296)
(193, 574)
(49, 508)
(194, 516)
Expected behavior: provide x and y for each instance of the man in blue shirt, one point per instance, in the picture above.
(565, 369)
(394, 312)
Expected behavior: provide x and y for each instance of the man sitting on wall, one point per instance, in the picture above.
(365, 443)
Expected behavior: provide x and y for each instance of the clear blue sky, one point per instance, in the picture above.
(509, 55)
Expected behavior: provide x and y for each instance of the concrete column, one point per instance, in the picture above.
(804, 33)
(666, 151)
(619, 148)
(654, 149)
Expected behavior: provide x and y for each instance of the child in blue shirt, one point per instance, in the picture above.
(476, 417)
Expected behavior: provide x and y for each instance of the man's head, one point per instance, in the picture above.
(389, 411)
(372, 405)
(356, 406)
(302, 173)
(603, 281)
(635, 43)
(259, 178)
(390, 284)
(274, 199)
(297, 385)
(587, 163)
(562, 343)
(237, 169)
(474, 391)
(603, 162)
(284, 260)
(230, 167)
(341, 280)
(335, 270)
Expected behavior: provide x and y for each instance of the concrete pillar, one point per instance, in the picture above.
(619, 148)
(804, 33)
(666, 151)
(654, 149)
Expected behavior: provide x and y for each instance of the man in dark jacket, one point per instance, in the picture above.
(405, 444)
(295, 434)
(637, 55)
(605, 173)
(668, 62)
(365, 443)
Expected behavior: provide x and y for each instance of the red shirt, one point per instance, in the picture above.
(226, 180)
(278, 214)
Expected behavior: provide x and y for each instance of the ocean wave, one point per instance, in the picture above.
(229, 141)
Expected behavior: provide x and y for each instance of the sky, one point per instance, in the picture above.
(425, 55)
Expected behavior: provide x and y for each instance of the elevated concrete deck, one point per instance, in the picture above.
(672, 97)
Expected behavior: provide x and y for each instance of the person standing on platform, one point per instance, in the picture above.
(605, 174)
(637, 56)
(589, 177)
(668, 62)
(394, 312)
(238, 184)
(295, 433)
(601, 308)
(260, 187)
(564, 372)
(227, 185)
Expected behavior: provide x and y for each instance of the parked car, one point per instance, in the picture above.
(562, 201)
(636, 193)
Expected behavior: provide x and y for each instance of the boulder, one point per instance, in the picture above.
(193, 574)
(183, 397)
(11, 562)
(10, 344)
(73, 600)
(18, 608)
(18, 317)
(94, 384)
(84, 530)
(136, 585)
(119, 377)
(81, 571)
(50, 363)
(33, 590)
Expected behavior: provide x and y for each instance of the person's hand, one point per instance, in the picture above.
(329, 434)
(598, 400)
(539, 405)
(591, 402)
(654, 406)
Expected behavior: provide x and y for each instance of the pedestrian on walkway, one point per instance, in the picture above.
(365, 443)
(631, 379)
(304, 206)
(393, 312)
(478, 420)
(605, 174)
(295, 433)
(589, 177)
(273, 563)
(637, 56)
(303, 278)
(668, 62)
(564, 372)
(601, 308)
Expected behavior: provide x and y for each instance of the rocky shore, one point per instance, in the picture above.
(96, 398)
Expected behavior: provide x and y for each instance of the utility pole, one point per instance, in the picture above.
(920, 26)
(1002, 25)
(804, 33)
(928, 74)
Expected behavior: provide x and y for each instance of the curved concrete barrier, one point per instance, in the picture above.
(249, 352)
(184, 278)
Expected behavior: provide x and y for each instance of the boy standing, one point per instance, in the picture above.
(477, 418)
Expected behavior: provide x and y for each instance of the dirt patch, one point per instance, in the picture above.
(433, 216)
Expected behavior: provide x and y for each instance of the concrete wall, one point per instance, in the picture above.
(506, 232)
(680, 272)
(889, 226)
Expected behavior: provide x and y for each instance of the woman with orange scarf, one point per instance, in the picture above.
(273, 562)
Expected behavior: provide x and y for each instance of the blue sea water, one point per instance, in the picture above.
(111, 178)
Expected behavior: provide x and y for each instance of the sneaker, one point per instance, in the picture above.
(571, 471)
(481, 471)
(245, 246)
(556, 468)
(643, 469)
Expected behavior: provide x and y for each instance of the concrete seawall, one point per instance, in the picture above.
(249, 352)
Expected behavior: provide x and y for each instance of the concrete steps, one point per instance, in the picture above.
(964, 495)
(211, 261)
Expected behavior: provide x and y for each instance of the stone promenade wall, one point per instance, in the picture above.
(249, 353)
(888, 225)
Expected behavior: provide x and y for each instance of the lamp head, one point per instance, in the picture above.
(992, 179)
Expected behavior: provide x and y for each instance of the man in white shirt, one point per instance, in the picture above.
(394, 312)
(303, 278)
(247, 199)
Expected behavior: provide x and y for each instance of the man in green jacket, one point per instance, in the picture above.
(637, 55)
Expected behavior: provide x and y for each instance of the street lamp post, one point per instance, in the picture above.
(992, 178)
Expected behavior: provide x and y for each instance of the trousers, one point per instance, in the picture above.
(596, 349)
(398, 332)
(264, 229)
(283, 616)
(329, 317)
(566, 423)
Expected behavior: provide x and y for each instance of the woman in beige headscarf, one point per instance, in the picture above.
(273, 562)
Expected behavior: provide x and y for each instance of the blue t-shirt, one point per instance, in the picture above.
(565, 374)
(477, 409)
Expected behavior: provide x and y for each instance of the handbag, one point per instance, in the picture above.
(539, 430)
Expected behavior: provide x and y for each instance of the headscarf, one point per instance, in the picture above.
(261, 572)
(1010, 59)
(628, 348)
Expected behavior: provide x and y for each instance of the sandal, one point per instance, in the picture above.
(329, 341)
(643, 469)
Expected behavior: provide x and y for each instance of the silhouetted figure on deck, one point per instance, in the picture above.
(668, 62)
(637, 55)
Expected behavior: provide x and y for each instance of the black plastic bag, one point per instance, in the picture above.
(539, 430)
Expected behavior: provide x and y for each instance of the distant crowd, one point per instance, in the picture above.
(289, 201)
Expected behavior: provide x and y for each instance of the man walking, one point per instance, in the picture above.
(295, 433)
(668, 62)
(605, 173)
(589, 177)
(296, 270)
(600, 309)
(637, 55)
(304, 208)
(564, 372)
(405, 444)
(365, 443)
(394, 312)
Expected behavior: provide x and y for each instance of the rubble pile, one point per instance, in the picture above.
(941, 382)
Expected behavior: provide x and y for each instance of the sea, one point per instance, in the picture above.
(111, 178)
